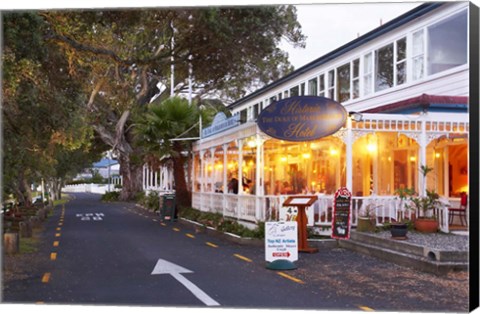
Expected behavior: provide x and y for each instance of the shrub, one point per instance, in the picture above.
(111, 196)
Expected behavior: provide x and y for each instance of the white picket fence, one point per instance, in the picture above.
(88, 188)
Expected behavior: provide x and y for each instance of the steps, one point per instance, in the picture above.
(406, 254)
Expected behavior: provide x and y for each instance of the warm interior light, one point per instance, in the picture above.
(437, 155)
(306, 156)
(371, 148)
(333, 152)
(252, 143)
(283, 158)
(413, 158)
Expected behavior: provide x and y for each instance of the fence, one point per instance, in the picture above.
(253, 208)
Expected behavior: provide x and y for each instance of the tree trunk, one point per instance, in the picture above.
(131, 174)
(182, 194)
(55, 189)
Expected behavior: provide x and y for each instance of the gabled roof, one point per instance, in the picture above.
(379, 31)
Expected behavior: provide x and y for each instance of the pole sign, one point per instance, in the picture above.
(341, 214)
(302, 118)
(281, 241)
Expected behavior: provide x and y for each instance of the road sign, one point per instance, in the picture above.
(281, 241)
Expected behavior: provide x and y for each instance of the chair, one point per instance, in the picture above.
(460, 211)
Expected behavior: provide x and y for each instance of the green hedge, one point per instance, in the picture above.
(221, 223)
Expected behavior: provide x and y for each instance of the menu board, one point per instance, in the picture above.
(341, 214)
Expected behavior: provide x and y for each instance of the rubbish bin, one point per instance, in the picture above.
(167, 207)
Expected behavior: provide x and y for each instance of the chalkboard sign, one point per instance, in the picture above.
(341, 214)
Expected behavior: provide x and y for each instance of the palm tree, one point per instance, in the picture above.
(161, 130)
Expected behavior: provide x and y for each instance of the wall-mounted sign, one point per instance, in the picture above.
(221, 123)
(281, 241)
(341, 214)
(302, 118)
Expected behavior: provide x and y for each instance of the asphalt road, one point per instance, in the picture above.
(118, 254)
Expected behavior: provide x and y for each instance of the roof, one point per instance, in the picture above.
(424, 102)
(379, 31)
(104, 163)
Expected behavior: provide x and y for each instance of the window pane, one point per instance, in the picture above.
(384, 69)
(294, 91)
(401, 49)
(401, 73)
(418, 43)
(447, 43)
(343, 86)
(356, 89)
(322, 82)
(312, 87)
(418, 68)
(356, 68)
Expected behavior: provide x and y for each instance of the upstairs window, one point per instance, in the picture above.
(401, 61)
(447, 43)
(321, 85)
(343, 85)
(418, 52)
(384, 68)
(368, 74)
(312, 87)
(331, 84)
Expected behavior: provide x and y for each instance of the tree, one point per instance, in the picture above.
(161, 131)
(122, 57)
(42, 120)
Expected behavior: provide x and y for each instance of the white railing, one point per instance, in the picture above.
(88, 188)
(267, 208)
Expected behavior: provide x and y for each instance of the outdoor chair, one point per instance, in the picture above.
(460, 211)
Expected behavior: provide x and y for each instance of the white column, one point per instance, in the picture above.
(225, 170)
(349, 155)
(422, 184)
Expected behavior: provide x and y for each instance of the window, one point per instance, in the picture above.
(418, 53)
(312, 87)
(294, 91)
(368, 73)
(321, 85)
(255, 111)
(447, 43)
(331, 84)
(401, 61)
(272, 99)
(384, 68)
(302, 89)
(356, 78)
(343, 85)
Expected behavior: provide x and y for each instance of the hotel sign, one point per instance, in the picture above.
(302, 118)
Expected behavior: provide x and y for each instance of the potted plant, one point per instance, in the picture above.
(366, 221)
(399, 228)
(425, 206)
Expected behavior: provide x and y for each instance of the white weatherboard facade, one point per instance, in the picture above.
(409, 80)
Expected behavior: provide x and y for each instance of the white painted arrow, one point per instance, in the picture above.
(166, 267)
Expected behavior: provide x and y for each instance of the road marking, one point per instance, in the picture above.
(57, 235)
(46, 278)
(163, 224)
(190, 235)
(165, 267)
(290, 277)
(211, 244)
(155, 220)
(39, 302)
(60, 224)
(53, 256)
(59, 229)
(366, 308)
(56, 243)
(176, 229)
(246, 259)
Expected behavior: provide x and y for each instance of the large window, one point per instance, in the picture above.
(321, 85)
(401, 61)
(312, 87)
(384, 68)
(447, 43)
(368, 73)
(418, 52)
(331, 84)
(343, 85)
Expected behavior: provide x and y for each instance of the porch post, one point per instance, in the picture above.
(349, 155)
(259, 179)
(422, 182)
(225, 170)
(240, 176)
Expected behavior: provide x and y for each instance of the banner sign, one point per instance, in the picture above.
(221, 123)
(341, 214)
(281, 241)
(302, 118)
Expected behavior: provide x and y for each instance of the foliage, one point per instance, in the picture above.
(111, 196)
(223, 224)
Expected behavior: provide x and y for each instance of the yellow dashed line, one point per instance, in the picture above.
(290, 277)
(190, 235)
(242, 258)
(176, 229)
(57, 235)
(60, 224)
(53, 256)
(366, 309)
(163, 224)
(59, 229)
(211, 244)
(56, 243)
(46, 278)
(155, 220)
(39, 302)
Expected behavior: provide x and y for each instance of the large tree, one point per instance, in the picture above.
(41, 117)
(123, 58)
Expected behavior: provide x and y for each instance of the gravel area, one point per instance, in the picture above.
(441, 241)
